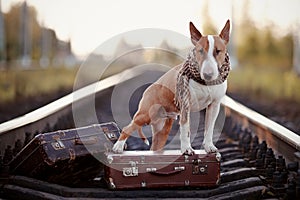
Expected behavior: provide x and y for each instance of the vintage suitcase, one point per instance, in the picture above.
(169, 168)
(67, 157)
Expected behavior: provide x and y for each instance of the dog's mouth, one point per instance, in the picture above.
(209, 76)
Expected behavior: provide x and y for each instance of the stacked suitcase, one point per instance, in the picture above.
(66, 157)
(73, 156)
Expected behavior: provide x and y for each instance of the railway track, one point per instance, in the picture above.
(260, 158)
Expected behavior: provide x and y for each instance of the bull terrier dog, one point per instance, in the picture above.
(200, 82)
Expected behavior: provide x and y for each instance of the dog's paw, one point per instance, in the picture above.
(210, 148)
(187, 151)
(119, 146)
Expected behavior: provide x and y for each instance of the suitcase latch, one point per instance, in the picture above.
(111, 136)
(57, 145)
(131, 171)
(199, 168)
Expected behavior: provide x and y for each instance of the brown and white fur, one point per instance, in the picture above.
(157, 106)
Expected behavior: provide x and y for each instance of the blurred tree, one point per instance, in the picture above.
(296, 49)
(25, 36)
(36, 35)
(2, 38)
(270, 49)
(262, 46)
(286, 50)
(206, 20)
(248, 40)
(12, 20)
(53, 44)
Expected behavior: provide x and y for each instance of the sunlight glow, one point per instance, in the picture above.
(88, 23)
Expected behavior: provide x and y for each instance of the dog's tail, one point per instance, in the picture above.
(142, 136)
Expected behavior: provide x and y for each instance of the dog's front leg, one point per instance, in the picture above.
(185, 134)
(212, 112)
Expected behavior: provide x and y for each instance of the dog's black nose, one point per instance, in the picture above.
(208, 76)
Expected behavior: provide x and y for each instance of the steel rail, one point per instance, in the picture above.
(278, 137)
(63, 102)
(277, 129)
(15, 129)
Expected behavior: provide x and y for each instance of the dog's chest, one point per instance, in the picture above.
(202, 95)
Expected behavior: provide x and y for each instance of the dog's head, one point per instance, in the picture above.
(210, 51)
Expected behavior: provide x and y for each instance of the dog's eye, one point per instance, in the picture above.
(201, 51)
(218, 51)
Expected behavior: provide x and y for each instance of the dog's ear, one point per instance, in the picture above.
(225, 32)
(195, 34)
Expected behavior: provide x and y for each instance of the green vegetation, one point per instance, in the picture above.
(265, 63)
(265, 83)
(13, 46)
(16, 84)
(264, 71)
(265, 68)
(259, 48)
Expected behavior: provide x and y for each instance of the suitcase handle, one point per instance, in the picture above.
(175, 171)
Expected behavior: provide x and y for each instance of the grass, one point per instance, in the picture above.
(265, 82)
(260, 82)
(22, 83)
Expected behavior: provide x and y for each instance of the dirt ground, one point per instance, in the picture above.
(285, 112)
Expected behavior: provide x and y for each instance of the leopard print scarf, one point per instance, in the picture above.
(190, 70)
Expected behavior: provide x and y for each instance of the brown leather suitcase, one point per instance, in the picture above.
(169, 168)
(67, 157)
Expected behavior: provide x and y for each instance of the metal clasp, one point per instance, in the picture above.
(179, 168)
(112, 136)
(131, 171)
(111, 184)
(218, 156)
(151, 169)
(143, 184)
(57, 145)
(110, 159)
(186, 158)
(199, 168)
(186, 182)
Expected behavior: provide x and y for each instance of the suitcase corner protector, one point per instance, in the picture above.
(110, 159)
(111, 184)
(218, 156)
